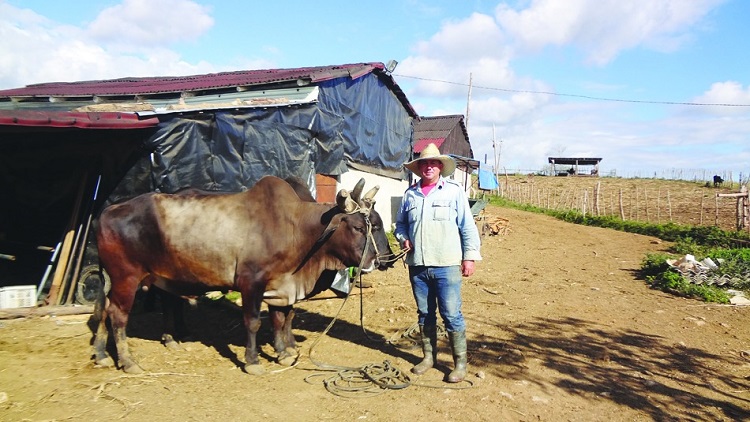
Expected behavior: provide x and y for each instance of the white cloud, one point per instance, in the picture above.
(533, 126)
(151, 23)
(728, 92)
(602, 29)
(473, 46)
(139, 33)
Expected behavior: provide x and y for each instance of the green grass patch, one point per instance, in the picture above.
(727, 247)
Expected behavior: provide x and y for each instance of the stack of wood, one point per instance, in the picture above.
(496, 226)
(68, 257)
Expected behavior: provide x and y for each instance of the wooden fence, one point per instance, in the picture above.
(701, 206)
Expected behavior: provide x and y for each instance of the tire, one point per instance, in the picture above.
(91, 281)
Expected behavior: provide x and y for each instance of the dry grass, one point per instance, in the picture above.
(647, 200)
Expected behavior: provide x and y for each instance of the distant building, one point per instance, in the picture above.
(574, 166)
(449, 134)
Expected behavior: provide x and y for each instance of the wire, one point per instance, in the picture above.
(588, 97)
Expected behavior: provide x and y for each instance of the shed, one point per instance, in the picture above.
(572, 166)
(449, 134)
(69, 149)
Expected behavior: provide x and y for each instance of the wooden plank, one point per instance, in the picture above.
(55, 291)
(12, 313)
(81, 253)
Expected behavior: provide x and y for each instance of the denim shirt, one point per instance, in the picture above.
(440, 225)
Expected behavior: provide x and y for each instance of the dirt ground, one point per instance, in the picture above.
(559, 328)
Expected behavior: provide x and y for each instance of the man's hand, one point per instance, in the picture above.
(406, 247)
(467, 268)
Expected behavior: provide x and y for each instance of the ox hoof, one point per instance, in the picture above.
(133, 368)
(287, 360)
(173, 345)
(288, 357)
(255, 369)
(106, 362)
(170, 343)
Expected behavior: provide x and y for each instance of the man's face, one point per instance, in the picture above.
(430, 169)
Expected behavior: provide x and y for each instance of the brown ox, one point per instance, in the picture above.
(266, 243)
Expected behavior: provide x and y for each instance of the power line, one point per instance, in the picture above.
(588, 97)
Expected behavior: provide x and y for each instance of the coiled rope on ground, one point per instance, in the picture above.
(369, 379)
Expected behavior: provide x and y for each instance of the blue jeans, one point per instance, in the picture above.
(438, 289)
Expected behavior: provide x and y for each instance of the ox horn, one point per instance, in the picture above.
(368, 200)
(357, 191)
(345, 202)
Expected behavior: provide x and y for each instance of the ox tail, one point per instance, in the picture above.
(100, 304)
(102, 301)
(98, 324)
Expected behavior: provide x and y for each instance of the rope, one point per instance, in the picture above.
(373, 378)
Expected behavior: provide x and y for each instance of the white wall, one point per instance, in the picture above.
(463, 179)
(388, 198)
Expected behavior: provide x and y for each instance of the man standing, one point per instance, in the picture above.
(436, 226)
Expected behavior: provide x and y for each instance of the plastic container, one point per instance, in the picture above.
(17, 297)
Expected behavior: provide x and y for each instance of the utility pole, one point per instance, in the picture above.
(496, 153)
(468, 100)
(494, 149)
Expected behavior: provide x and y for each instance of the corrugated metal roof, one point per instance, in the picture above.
(211, 81)
(438, 126)
(63, 119)
(420, 144)
(59, 97)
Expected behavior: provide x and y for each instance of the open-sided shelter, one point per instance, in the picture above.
(68, 149)
(574, 166)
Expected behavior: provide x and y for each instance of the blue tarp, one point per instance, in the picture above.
(356, 122)
(487, 180)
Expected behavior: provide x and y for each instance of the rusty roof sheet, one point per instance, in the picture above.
(66, 119)
(438, 127)
(212, 81)
(420, 144)
(167, 85)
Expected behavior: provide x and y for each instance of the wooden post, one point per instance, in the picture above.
(538, 198)
(55, 290)
(585, 201)
(740, 213)
(669, 206)
(701, 219)
(716, 211)
(743, 207)
(596, 197)
(636, 204)
(658, 206)
(622, 210)
(645, 202)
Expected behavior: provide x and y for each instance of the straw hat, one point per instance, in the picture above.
(431, 152)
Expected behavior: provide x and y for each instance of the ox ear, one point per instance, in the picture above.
(357, 191)
(345, 202)
(332, 226)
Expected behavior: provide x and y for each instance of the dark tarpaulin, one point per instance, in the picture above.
(231, 150)
(375, 127)
(355, 123)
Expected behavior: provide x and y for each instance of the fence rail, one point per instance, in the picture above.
(647, 202)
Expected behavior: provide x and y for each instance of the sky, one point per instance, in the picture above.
(656, 88)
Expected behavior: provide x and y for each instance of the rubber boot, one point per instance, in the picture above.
(458, 345)
(429, 348)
